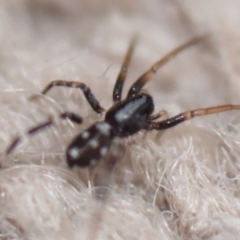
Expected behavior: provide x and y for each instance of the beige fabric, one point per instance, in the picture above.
(182, 184)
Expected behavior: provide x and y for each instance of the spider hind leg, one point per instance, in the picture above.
(65, 115)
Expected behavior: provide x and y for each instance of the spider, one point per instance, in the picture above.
(125, 118)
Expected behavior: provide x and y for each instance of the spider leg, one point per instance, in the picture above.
(171, 122)
(117, 90)
(65, 115)
(158, 115)
(145, 77)
(73, 84)
(72, 117)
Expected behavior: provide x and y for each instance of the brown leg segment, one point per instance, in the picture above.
(72, 117)
(158, 115)
(73, 84)
(31, 131)
(171, 122)
(140, 82)
(66, 115)
(117, 91)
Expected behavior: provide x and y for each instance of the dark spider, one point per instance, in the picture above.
(124, 118)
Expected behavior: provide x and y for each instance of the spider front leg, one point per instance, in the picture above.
(171, 122)
(73, 84)
(145, 77)
(117, 90)
(65, 115)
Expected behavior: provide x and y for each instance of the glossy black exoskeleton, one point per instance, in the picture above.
(124, 118)
(130, 116)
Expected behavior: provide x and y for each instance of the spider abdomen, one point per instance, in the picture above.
(90, 146)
